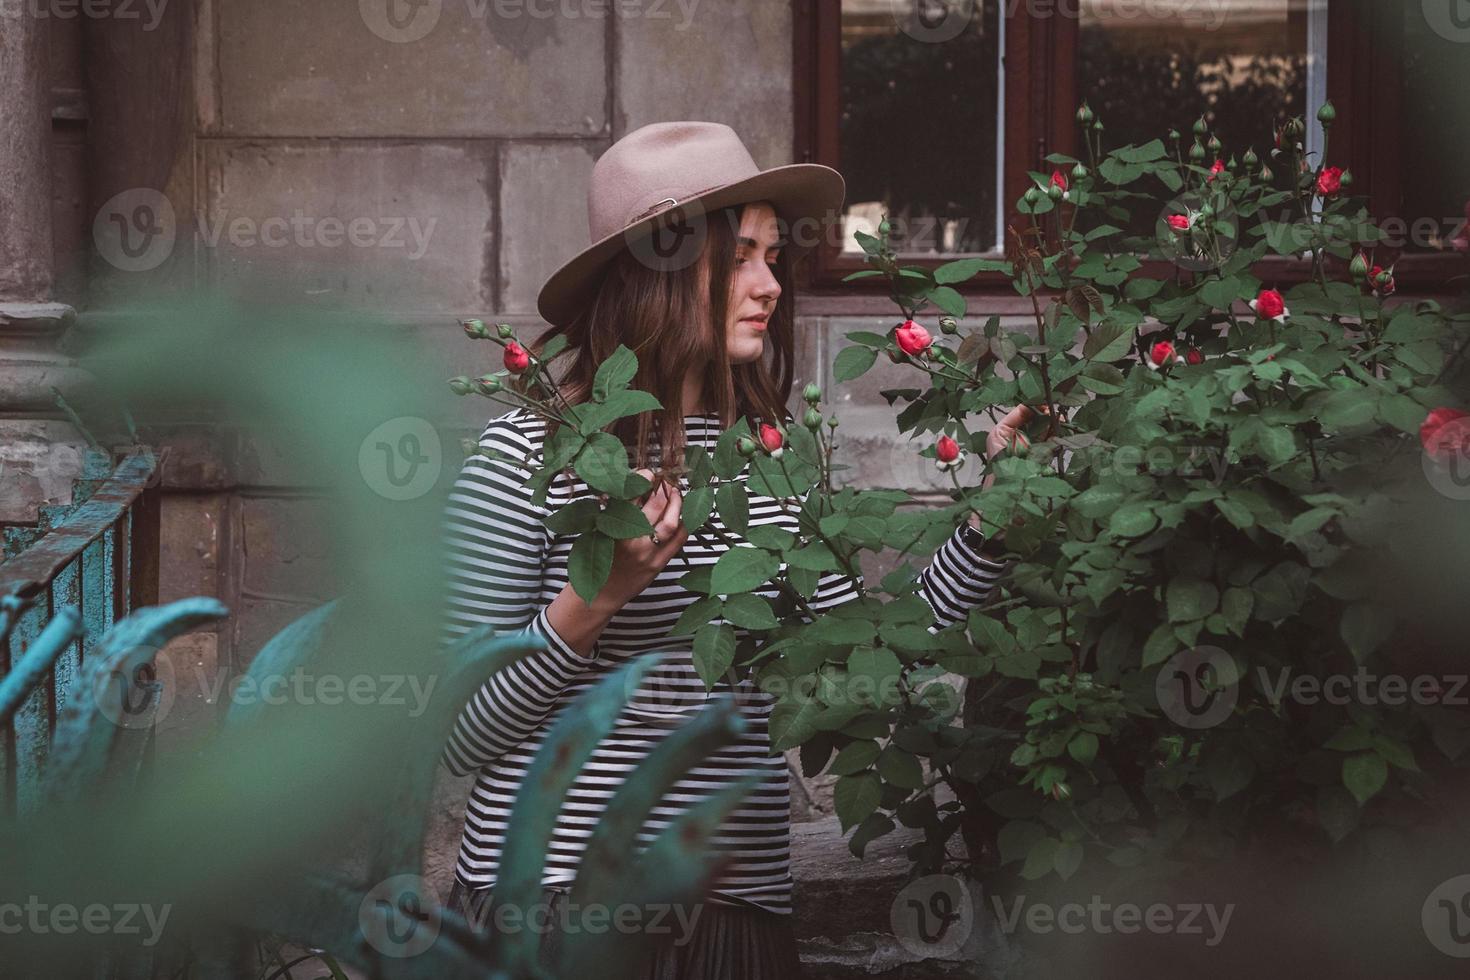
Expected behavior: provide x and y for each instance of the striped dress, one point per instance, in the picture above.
(505, 567)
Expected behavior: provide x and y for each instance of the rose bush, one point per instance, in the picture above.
(1198, 504)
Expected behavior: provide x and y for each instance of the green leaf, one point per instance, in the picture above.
(734, 505)
(1236, 513)
(697, 506)
(1364, 775)
(577, 517)
(1190, 599)
(695, 615)
(875, 826)
(1235, 605)
(623, 520)
(1083, 747)
(793, 722)
(743, 569)
(619, 403)
(1041, 859)
(853, 363)
(1016, 839)
(589, 564)
(963, 269)
(900, 768)
(603, 463)
(1160, 645)
(1336, 812)
(714, 652)
(1134, 519)
(750, 612)
(948, 300)
(615, 372)
(854, 758)
(1109, 342)
(855, 797)
(1067, 859)
(1365, 626)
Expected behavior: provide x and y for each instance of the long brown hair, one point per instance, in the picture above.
(671, 319)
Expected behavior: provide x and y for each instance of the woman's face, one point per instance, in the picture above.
(753, 286)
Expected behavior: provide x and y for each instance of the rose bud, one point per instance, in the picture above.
(1174, 135)
(1267, 175)
(1327, 115)
(1161, 354)
(1443, 434)
(1382, 280)
(1270, 305)
(771, 439)
(1197, 152)
(474, 329)
(1179, 222)
(811, 393)
(1358, 268)
(1250, 159)
(1329, 181)
(488, 384)
(946, 452)
(1079, 172)
(1097, 127)
(1347, 179)
(1084, 115)
(1201, 127)
(1193, 356)
(813, 419)
(506, 333)
(1217, 169)
(745, 446)
(1032, 195)
(1214, 145)
(461, 385)
(949, 325)
(912, 339)
(516, 358)
(1059, 188)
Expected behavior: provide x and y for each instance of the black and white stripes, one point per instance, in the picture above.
(505, 567)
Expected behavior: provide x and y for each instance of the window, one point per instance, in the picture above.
(926, 105)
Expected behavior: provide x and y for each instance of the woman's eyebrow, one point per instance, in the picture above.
(752, 243)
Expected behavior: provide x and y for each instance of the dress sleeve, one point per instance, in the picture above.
(956, 580)
(495, 543)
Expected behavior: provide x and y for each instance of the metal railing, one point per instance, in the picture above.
(94, 567)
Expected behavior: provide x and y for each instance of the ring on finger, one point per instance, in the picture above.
(654, 538)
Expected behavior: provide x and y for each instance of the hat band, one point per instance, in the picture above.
(669, 202)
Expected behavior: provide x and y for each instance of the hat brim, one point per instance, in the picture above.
(801, 193)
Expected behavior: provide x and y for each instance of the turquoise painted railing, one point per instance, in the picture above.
(63, 584)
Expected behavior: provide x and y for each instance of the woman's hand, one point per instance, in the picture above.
(1006, 435)
(637, 561)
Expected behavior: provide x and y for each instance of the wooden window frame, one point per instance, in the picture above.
(1041, 96)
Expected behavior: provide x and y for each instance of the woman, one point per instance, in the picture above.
(711, 324)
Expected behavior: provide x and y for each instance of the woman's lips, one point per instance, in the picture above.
(757, 324)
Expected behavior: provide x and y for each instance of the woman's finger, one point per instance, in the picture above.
(669, 523)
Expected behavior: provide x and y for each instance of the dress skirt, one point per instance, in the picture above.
(710, 942)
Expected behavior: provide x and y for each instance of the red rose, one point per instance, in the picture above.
(1162, 353)
(771, 439)
(1217, 169)
(1193, 356)
(1381, 280)
(1269, 305)
(1329, 181)
(946, 450)
(1179, 222)
(516, 358)
(1443, 434)
(1059, 179)
(912, 338)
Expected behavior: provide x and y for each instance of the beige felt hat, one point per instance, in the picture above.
(650, 191)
